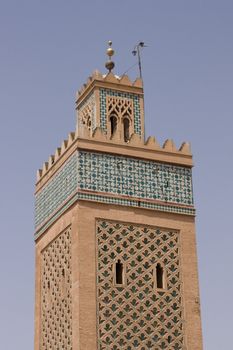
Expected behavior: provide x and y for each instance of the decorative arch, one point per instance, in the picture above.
(120, 117)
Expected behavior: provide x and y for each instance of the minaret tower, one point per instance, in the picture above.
(116, 263)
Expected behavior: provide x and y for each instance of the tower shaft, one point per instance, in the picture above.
(116, 263)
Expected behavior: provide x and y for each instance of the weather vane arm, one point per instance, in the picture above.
(136, 52)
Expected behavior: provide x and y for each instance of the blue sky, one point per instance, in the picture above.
(47, 50)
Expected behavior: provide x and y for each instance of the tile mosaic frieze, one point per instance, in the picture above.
(123, 179)
(57, 190)
(138, 178)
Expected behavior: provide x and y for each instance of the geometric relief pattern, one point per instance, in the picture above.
(138, 178)
(106, 94)
(120, 107)
(57, 190)
(87, 113)
(56, 312)
(136, 315)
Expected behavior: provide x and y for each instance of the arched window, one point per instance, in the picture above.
(159, 276)
(119, 272)
(113, 122)
(126, 129)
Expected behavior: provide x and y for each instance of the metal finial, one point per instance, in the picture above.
(136, 52)
(110, 52)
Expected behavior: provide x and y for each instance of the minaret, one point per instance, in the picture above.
(116, 263)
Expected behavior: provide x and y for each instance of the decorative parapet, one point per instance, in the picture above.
(150, 143)
(109, 78)
(100, 136)
(57, 155)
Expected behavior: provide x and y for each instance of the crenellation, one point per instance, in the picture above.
(38, 174)
(169, 145)
(57, 154)
(63, 146)
(151, 142)
(51, 161)
(135, 140)
(185, 148)
(71, 138)
(123, 80)
(45, 167)
(100, 136)
(138, 83)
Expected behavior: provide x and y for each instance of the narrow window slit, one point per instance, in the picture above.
(159, 277)
(119, 272)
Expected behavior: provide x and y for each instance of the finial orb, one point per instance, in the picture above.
(110, 52)
(109, 65)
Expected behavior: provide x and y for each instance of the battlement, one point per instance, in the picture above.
(53, 159)
(123, 81)
(181, 155)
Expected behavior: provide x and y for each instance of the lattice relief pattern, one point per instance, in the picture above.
(137, 315)
(119, 106)
(56, 315)
(86, 113)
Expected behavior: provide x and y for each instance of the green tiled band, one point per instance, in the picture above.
(131, 177)
(57, 190)
(110, 175)
(116, 201)
(138, 204)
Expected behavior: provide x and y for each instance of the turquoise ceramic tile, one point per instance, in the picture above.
(135, 177)
(56, 191)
